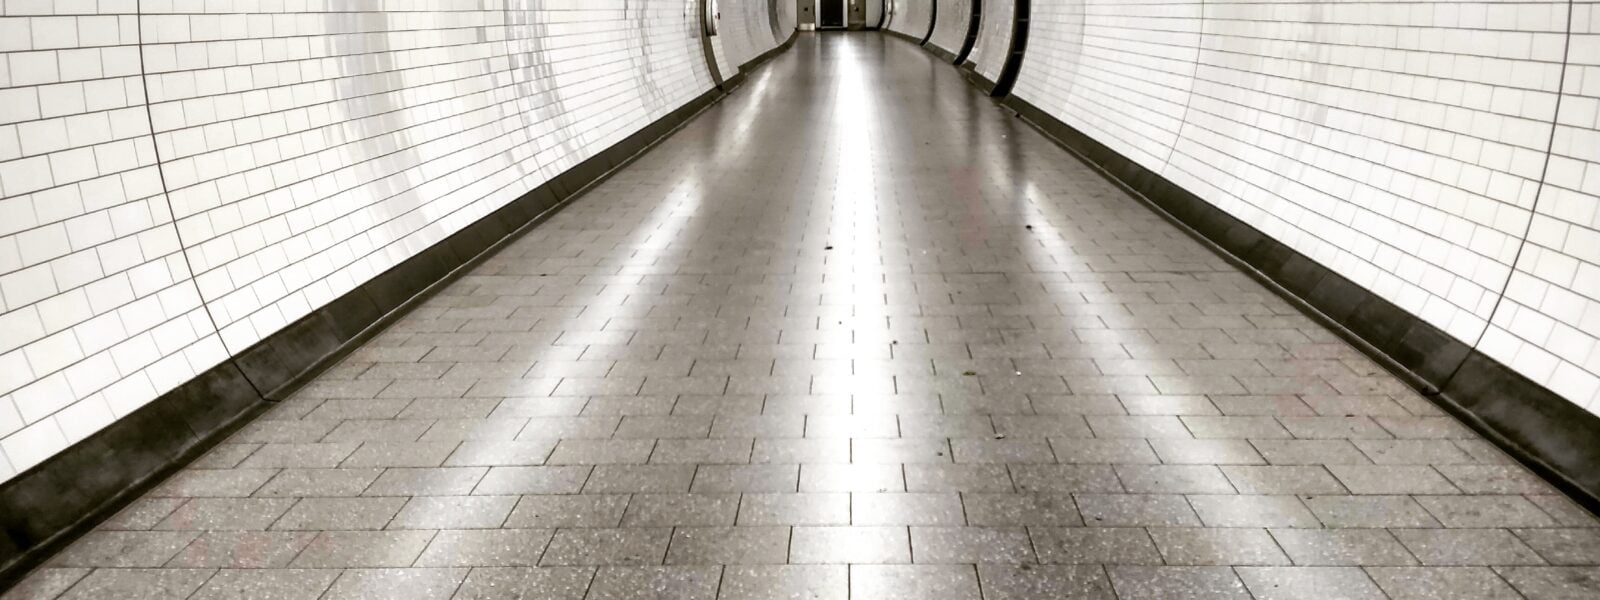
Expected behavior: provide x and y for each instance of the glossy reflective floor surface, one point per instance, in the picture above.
(858, 333)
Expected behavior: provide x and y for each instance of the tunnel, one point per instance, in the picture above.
(799, 299)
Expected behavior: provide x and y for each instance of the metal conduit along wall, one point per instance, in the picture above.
(196, 214)
(1438, 198)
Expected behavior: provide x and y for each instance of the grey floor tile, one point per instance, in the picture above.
(914, 582)
(1307, 480)
(319, 482)
(713, 479)
(1174, 479)
(1343, 547)
(267, 584)
(1074, 478)
(486, 548)
(568, 510)
(453, 512)
(419, 584)
(242, 550)
(1554, 583)
(44, 583)
(1029, 582)
(870, 509)
(1177, 583)
(235, 514)
(517, 583)
(957, 478)
(362, 549)
(849, 545)
(628, 546)
(449, 481)
(970, 545)
(1467, 547)
(685, 582)
(1221, 546)
(785, 582)
(743, 545)
(1021, 509)
(500, 453)
(142, 514)
(533, 480)
(1207, 452)
(1369, 511)
(1252, 511)
(124, 549)
(1485, 511)
(1104, 451)
(1094, 546)
(1288, 583)
(796, 509)
(317, 514)
(216, 483)
(138, 584)
(681, 510)
(1392, 480)
(1441, 583)
(1571, 547)
(852, 478)
(1136, 510)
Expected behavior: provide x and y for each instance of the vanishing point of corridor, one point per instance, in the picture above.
(853, 332)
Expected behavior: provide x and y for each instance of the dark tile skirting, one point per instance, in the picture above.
(51, 504)
(969, 70)
(903, 36)
(1554, 437)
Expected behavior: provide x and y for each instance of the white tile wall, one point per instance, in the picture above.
(746, 31)
(950, 26)
(1548, 325)
(98, 314)
(1118, 70)
(872, 13)
(303, 148)
(788, 18)
(989, 52)
(911, 17)
(1400, 144)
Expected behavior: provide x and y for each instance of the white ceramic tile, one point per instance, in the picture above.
(951, 22)
(1400, 147)
(911, 17)
(993, 45)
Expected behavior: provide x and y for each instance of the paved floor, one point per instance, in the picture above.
(855, 332)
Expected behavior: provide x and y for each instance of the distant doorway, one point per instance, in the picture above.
(830, 13)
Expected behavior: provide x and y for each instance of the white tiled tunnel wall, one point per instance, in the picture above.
(304, 149)
(950, 29)
(746, 31)
(788, 18)
(1117, 70)
(1547, 326)
(911, 17)
(98, 314)
(993, 45)
(1400, 144)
